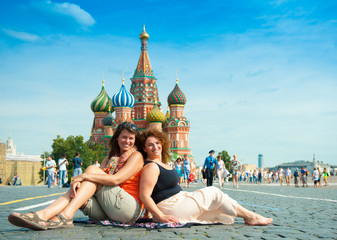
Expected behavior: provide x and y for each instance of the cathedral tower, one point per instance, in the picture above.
(177, 126)
(100, 106)
(123, 102)
(143, 86)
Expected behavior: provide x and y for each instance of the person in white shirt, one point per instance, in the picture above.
(220, 170)
(288, 176)
(63, 162)
(97, 164)
(280, 175)
(315, 176)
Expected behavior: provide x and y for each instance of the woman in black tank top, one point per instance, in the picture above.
(165, 200)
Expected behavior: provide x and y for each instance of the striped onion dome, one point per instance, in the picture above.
(102, 102)
(176, 96)
(123, 98)
(107, 121)
(155, 115)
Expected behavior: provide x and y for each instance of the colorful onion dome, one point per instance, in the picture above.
(123, 98)
(176, 96)
(90, 143)
(144, 34)
(167, 115)
(102, 102)
(107, 121)
(155, 115)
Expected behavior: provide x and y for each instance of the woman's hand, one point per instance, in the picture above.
(74, 187)
(76, 183)
(166, 219)
(80, 178)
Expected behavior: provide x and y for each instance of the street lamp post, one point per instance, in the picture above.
(44, 166)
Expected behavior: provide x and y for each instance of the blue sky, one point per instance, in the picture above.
(259, 76)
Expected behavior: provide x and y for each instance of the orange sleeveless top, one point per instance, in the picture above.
(131, 186)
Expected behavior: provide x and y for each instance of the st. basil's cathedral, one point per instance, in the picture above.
(141, 106)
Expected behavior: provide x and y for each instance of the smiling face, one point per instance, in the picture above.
(126, 141)
(153, 148)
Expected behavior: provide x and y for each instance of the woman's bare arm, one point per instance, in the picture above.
(132, 166)
(149, 178)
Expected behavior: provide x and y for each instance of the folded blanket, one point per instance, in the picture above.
(141, 223)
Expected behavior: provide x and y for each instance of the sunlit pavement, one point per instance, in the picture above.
(299, 213)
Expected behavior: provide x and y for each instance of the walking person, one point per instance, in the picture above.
(319, 178)
(178, 166)
(220, 169)
(186, 166)
(63, 162)
(77, 162)
(325, 174)
(15, 179)
(269, 176)
(50, 166)
(315, 176)
(164, 198)
(235, 167)
(110, 192)
(260, 176)
(209, 167)
(280, 175)
(288, 176)
(296, 177)
(304, 177)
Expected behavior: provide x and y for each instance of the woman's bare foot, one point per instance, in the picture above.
(258, 220)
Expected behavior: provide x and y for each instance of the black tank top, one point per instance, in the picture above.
(167, 184)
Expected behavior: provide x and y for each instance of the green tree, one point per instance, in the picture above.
(70, 146)
(225, 157)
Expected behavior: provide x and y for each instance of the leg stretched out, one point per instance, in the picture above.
(63, 208)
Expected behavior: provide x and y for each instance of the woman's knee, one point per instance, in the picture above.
(93, 169)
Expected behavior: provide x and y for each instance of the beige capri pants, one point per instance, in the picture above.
(113, 203)
(206, 205)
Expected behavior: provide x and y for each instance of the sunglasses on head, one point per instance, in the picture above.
(129, 125)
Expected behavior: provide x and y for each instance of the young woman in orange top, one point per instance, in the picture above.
(110, 192)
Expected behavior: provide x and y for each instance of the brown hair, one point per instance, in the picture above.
(161, 137)
(131, 128)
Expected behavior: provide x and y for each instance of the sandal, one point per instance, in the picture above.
(63, 223)
(23, 220)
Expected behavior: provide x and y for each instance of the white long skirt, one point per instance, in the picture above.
(207, 205)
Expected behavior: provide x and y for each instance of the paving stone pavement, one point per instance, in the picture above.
(299, 213)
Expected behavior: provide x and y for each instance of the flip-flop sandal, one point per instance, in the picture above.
(63, 223)
(23, 220)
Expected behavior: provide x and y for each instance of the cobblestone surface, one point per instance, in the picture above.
(299, 213)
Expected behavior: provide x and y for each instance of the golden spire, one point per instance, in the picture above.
(144, 34)
(177, 77)
(103, 79)
(123, 77)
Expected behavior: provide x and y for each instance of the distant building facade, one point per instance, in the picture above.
(309, 165)
(25, 166)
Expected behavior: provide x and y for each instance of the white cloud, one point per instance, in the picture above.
(74, 11)
(67, 9)
(24, 36)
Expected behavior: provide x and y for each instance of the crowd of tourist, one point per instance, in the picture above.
(215, 168)
(57, 174)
